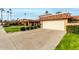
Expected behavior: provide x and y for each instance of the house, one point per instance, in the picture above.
(55, 22)
(29, 22)
(74, 19)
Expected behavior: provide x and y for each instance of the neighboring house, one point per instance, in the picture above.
(29, 22)
(55, 22)
(74, 19)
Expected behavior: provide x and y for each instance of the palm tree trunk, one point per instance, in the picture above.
(7, 16)
(10, 10)
(10, 15)
(1, 16)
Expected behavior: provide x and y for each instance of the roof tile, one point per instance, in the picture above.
(55, 17)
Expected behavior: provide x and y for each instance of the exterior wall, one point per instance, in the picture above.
(55, 24)
(65, 24)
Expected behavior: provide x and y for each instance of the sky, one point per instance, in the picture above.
(34, 13)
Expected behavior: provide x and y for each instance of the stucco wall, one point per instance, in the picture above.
(55, 24)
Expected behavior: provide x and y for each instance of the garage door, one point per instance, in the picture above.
(56, 25)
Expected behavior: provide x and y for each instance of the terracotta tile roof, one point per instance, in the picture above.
(55, 17)
(75, 17)
(28, 20)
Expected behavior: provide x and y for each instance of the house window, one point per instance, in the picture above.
(70, 20)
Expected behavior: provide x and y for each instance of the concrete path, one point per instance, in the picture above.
(38, 39)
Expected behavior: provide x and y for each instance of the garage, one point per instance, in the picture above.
(56, 25)
(54, 22)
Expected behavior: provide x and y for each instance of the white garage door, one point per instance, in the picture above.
(56, 25)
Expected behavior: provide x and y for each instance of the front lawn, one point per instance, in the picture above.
(13, 28)
(69, 42)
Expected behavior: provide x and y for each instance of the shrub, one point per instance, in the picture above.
(27, 28)
(73, 29)
(35, 27)
(38, 26)
(23, 28)
(6, 25)
(32, 27)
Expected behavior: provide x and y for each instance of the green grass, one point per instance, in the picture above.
(13, 28)
(69, 42)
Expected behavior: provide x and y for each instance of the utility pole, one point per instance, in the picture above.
(68, 11)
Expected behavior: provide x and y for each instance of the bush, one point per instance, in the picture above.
(27, 28)
(6, 25)
(35, 27)
(73, 29)
(32, 27)
(38, 26)
(23, 28)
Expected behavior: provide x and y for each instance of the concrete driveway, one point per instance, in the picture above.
(38, 39)
(5, 42)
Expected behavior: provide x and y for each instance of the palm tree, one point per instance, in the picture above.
(25, 15)
(10, 10)
(8, 15)
(46, 12)
(58, 12)
(2, 13)
(1, 9)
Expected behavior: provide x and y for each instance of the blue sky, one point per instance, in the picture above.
(34, 13)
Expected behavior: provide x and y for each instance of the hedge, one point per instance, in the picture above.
(23, 28)
(27, 28)
(30, 27)
(73, 29)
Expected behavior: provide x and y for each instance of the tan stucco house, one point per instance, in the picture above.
(55, 22)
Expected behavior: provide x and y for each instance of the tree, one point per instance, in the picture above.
(7, 15)
(1, 9)
(17, 18)
(46, 12)
(58, 12)
(10, 11)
